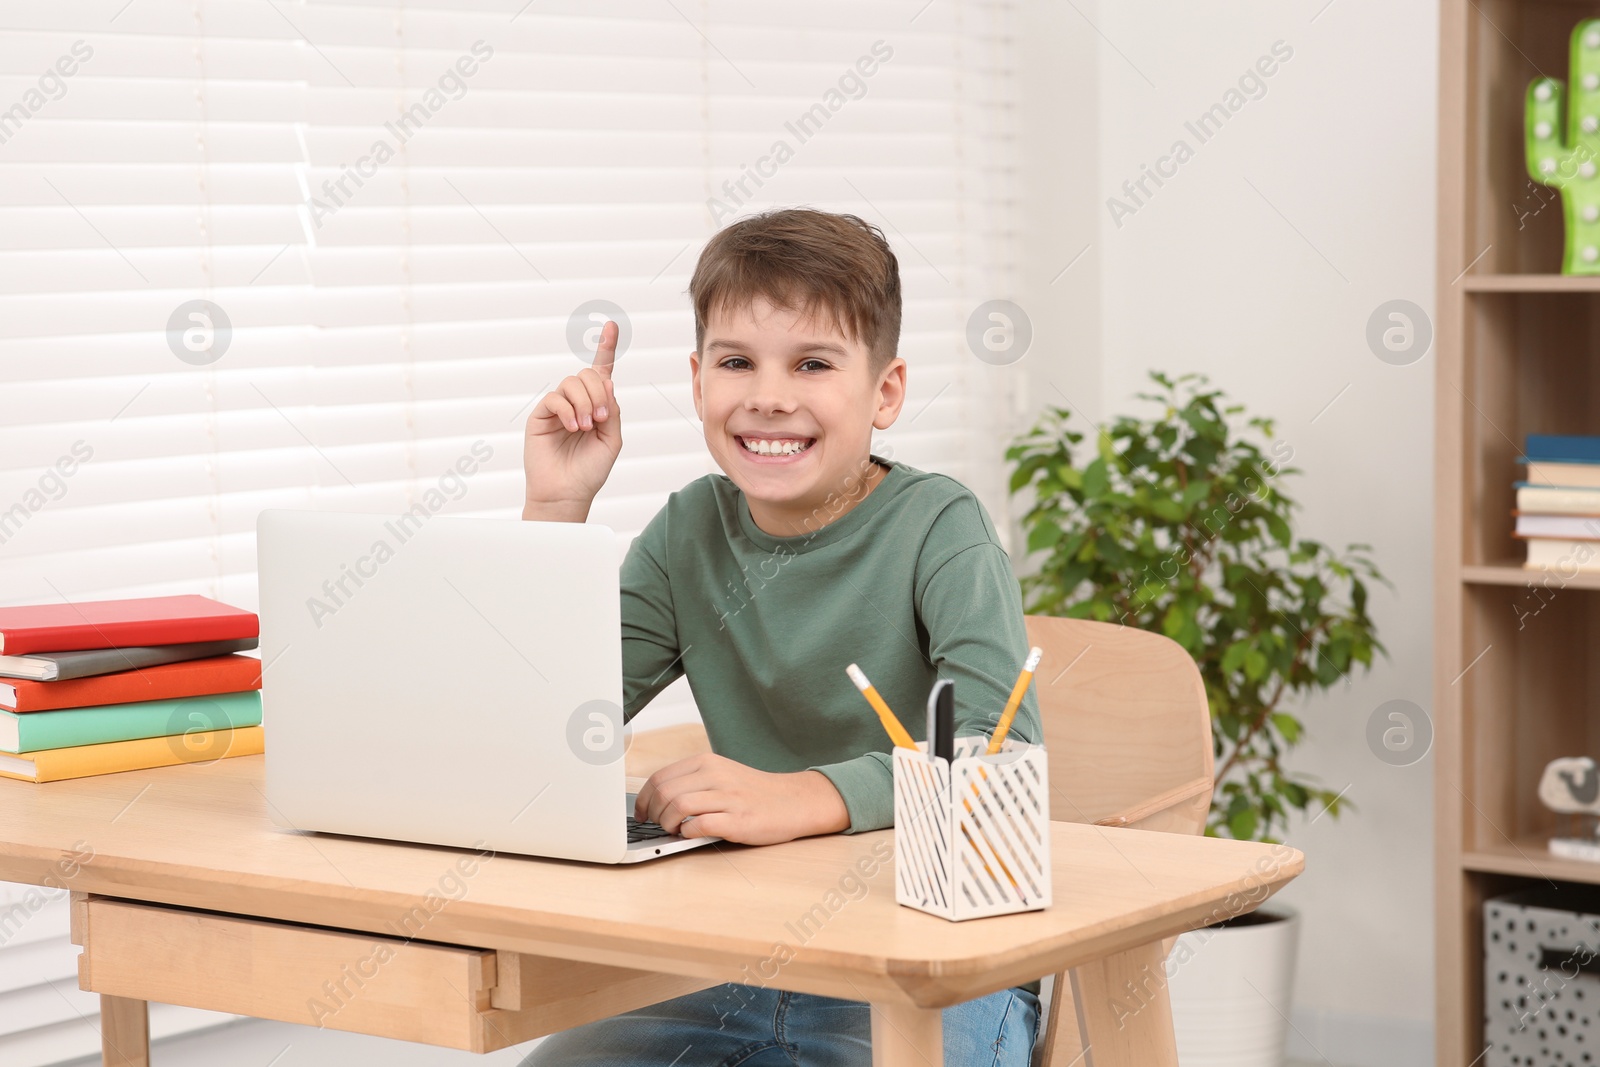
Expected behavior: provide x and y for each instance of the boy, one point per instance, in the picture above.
(764, 583)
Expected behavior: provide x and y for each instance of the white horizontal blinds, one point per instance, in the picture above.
(569, 155)
(159, 169)
(393, 308)
(986, 104)
(897, 118)
(899, 109)
(461, 214)
(144, 161)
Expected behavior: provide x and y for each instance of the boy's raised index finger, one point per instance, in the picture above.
(605, 353)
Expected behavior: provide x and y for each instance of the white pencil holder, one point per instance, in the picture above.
(972, 835)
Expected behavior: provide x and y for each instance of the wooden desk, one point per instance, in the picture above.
(401, 940)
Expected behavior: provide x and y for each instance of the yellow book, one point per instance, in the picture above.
(82, 761)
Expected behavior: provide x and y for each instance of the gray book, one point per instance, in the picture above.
(60, 666)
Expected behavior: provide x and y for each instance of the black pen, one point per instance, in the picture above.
(942, 720)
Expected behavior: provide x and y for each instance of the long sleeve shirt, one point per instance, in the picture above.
(911, 584)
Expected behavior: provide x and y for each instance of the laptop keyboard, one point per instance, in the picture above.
(645, 831)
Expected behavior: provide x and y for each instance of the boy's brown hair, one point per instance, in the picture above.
(806, 260)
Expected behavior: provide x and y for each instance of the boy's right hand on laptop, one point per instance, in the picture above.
(573, 437)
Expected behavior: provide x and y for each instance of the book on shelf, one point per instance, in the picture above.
(160, 620)
(1566, 527)
(69, 727)
(1558, 505)
(1563, 474)
(168, 681)
(1565, 448)
(83, 761)
(1562, 460)
(87, 663)
(1562, 555)
(1557, 500)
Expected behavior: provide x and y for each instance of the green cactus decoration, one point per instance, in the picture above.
(1563, 146)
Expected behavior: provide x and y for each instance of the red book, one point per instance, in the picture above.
(192, 678)
(157, 620)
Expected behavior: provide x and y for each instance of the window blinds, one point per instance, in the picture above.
(394, 213)
(268, 253)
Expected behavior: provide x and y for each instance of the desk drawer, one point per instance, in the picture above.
(477, 1000)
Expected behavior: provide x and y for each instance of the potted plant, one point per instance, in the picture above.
(1180, 524)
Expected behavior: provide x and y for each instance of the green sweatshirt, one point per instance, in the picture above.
(911, 584)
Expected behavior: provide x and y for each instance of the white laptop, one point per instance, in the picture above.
(449, 681)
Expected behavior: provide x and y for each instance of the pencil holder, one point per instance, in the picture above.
(972, 835)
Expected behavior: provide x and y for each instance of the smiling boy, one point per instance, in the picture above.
(763, 583)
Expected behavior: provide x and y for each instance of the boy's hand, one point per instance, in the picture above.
(723, 798)
(573, 436)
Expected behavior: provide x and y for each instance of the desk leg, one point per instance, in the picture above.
(1124, 1013)
(124, 1032)
(907, 1036)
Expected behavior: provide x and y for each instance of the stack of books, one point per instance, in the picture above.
(1558, 507)
(120, 685)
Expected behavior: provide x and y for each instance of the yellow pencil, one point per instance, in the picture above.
(1015, 700)
(1011, 877)
(897, 733)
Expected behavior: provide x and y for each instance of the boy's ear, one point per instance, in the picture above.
(694, 384)
(891, 394)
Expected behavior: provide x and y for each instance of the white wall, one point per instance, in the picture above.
(1259, 264)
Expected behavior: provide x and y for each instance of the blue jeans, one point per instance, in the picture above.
(736, 1025)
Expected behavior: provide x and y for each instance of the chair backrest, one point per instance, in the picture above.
(1126, 726)
(1128, 733)
(1125, 723)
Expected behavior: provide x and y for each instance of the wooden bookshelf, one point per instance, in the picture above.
(1517, 653)
(1529, 858)
(1530, 283)
(1514, 573)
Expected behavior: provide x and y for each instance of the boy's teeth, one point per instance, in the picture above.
(766, 447)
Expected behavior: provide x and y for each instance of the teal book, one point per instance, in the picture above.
(70, 727)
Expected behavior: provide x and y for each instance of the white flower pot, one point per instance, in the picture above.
(1231, 988)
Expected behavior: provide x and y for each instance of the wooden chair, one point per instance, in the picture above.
(1128, 731)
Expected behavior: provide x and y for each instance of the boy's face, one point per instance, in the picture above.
(770, 373)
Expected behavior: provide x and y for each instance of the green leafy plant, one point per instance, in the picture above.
(1179, 524)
